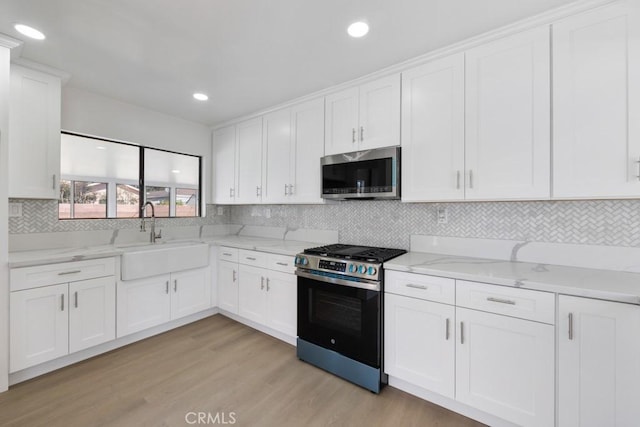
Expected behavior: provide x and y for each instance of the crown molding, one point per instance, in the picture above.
(542, 19)
(27, 63)
(9, 42)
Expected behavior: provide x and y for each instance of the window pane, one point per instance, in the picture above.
(163, 168)
(89, 199)
(88, 157)
(187, 202)
(127, 201)
(159, 196)
(64, 203)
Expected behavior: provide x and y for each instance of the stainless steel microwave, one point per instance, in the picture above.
(362, 175)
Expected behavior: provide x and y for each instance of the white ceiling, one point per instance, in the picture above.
(246, 54)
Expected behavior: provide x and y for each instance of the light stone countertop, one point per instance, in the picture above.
(619, 286)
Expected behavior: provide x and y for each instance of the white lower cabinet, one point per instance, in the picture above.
(505, 367)
(282, 302)
(419, 343)
(598, 363)
(151, 301)
(52, 321)
(252, 297)
(228, 286)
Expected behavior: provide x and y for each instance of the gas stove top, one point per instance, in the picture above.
(355, 253)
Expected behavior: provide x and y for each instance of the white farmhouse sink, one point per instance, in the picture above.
(153, 260)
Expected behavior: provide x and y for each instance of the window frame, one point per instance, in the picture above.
(112, 183)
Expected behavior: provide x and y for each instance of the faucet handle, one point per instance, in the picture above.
(142, 226)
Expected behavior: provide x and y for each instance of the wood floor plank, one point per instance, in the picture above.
(216, 366)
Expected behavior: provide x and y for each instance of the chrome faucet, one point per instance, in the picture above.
(153, 236)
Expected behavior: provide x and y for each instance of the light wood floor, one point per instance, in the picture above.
(216, 366)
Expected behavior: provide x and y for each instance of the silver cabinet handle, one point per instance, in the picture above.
(571, 326)
(268, 284)
(175, 285)
(230, 192)
(62, 302)
(457, 180)
(361, 133)
(257, 191)
(64, 273)
(470, 178)
(291, 189)
(53, 186)
(461, 332)
(637, 176)
(250, 258)
(446, 332)
(227, 254)
(234, 275)
(261, 283)
(166, 289)
(353, 135)
(75, 297)
(411, 285)
(286, 191)
(501, 301)
(284, 264)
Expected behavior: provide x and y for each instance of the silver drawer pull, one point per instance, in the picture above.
(250, 258)
(501, 301)
(64, 273)
(284, 264)
(411, 285)
(227, 254)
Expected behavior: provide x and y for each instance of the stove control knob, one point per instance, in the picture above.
(371, 271)
(302, 260)
(296, 260)
(352, 268)
(362, 269)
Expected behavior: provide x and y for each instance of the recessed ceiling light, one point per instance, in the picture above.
(100, 147)
(29, 31)
(175, 171)
(200, 96)
(358, 29)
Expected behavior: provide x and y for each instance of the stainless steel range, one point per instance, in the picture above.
(340, 310)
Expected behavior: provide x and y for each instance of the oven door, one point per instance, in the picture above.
(340, 318)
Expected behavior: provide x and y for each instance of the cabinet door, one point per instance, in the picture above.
(213, 275)
(596, 93)
(380, 113)
(92, 312)
(142, 304)
(39, 329)
(224, 164)
(252, 295)
(420, 343)
(249, 163)
(277, 156)
(599, 363)
(505, 366)
(307, 126)
(191, 292)
(508, 118)
(341, 122)
(34, 134)
(282, 302)
(228, 286)
(433, 131)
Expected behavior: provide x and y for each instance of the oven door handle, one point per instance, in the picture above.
(363, 284)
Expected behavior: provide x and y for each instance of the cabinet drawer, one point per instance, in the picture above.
(431, 288)
(258, 259)
(228, 254)
(51, 274)
(522, 303)
(282, 263)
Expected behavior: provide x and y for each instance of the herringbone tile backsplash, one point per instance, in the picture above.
(390, 223)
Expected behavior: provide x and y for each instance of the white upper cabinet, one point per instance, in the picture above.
(307, 131)
(507, 151)
(598, 363)
(249, 166)
(596, 69)
(276, 167)
(363, 117)
(34, 134)
(433, 131)
(224, 160)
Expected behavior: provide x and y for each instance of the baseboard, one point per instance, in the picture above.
(267, 330)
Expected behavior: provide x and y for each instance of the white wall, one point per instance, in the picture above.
(93, 114)
(4, 220)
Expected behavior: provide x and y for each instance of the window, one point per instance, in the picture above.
(101, 179)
